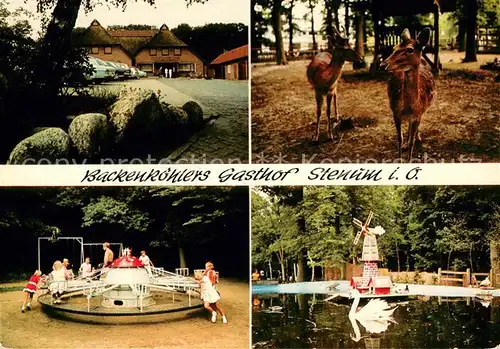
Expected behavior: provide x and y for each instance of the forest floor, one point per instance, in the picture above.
(35, 329)
(463, 125)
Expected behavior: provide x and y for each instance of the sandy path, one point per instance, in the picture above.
(37, 330)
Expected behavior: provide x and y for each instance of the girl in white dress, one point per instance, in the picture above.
(209, 294)
(58, 285)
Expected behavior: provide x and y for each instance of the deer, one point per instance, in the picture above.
(410, 87)
(323, 73)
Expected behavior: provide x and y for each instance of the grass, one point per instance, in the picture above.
(462, 125)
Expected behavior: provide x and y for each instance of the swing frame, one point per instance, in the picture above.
(79, 239)
(120, 251)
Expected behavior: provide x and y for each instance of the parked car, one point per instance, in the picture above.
(134, 73)
(126, 69)
(100, 72)
(119, 71)
(110, 68)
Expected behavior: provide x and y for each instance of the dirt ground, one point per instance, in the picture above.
(463, 125)
(35, 329)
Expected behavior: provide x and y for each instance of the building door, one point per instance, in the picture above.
(243, 71)
(166, 67)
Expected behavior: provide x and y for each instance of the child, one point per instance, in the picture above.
(210, 295)
(86, 268)
(30, 290)
(68, 269)
(58, 285)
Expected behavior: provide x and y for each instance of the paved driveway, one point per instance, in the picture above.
(226, 139)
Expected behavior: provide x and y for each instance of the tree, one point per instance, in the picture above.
(292, 27)
(213, 39)
(276, 12)
(195, 215)
(471, 10)
(311, 4)
(274, 231)
(133, 27)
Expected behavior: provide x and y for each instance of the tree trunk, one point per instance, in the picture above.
(336, 16)
(360, 45)
(449, 260)
(461, 36)
(346, 19)
(313, 33)
(494, 261)
(55, 47)
(329, 23)
(397, 256)
(290, 27)
(278, 35)
(470, 258)
(471, 23)
(283, 275)
(182, 257)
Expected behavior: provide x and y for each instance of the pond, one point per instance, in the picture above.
(306, 321)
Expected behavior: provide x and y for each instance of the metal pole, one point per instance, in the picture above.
(39, 268)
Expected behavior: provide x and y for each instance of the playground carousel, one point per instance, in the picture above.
(126, 291)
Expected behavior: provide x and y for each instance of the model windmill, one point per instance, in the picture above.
(370, 280)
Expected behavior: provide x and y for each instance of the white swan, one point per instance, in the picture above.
(375, 316)
(375, 309)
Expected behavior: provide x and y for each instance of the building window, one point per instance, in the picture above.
(165, 52)
(152, 52)
(108, 50)
(186, 67)
(95, 50)
(177, 51)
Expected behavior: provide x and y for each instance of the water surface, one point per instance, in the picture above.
(305, 321)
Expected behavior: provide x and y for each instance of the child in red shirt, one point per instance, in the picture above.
(31, 289)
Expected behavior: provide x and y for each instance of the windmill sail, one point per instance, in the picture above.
(358, 235)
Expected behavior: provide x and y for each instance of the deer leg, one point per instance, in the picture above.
(319, 105)
(328, 114)
(336, 107)
(412, 133)
(397, 122)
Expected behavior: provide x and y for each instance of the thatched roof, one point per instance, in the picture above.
(165, 38)
(132, 41)
(95, 35)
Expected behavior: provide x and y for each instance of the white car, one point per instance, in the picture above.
(134, 73)
(101, 72)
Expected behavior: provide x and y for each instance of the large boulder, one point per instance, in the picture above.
(44, 147)
(179, 126)
(90, 135)
(180, 119)
(195, 114)
(135, 116)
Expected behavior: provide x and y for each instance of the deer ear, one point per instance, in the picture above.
(424, 37)
(405, 36)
